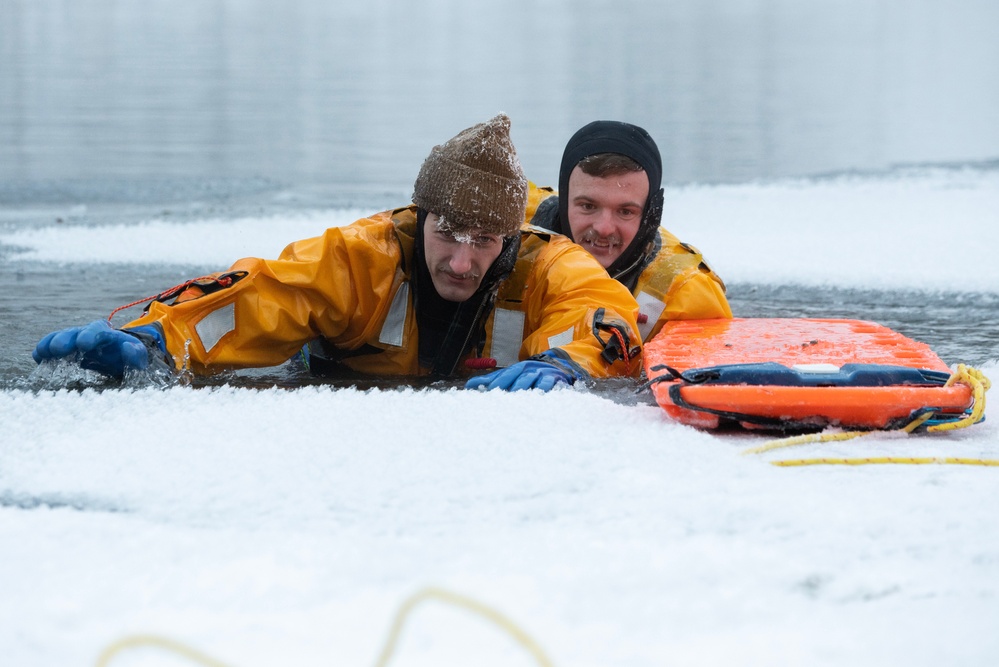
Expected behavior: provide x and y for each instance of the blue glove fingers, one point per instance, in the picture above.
(504, 378)
(104, 349)
(42, 351)
(481, 381)
(548, 382)
(526, 380)
(501, 379)
(522, 375)
(63, 343)
(114, 350)
(94, 335)
(133, 353)
(546, 379)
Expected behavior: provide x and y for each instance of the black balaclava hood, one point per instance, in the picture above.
(612, 136)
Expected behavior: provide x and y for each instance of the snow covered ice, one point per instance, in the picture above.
(283, 526)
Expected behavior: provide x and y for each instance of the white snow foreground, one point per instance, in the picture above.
(284, 527)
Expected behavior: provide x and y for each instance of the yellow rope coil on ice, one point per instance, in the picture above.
(405, 609)
(971, 376)
(469, 604)
(155, 641)
(829, 437)
(911, 460)
(979, 385)
(771, 445)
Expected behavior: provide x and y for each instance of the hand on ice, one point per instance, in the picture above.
(523, 375)
(101, 348)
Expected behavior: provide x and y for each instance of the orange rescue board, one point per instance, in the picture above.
(810, 349)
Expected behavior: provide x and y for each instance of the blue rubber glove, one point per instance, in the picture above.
(523, 375)
(101, 348)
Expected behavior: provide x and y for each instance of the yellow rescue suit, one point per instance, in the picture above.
(677, 284)
(351, 286)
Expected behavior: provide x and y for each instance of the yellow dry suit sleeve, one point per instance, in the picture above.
(338, 285)
(572, 305)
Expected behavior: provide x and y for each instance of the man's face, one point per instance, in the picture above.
(457, 262)
(604, 213)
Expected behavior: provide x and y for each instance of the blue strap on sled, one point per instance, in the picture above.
(814, 375)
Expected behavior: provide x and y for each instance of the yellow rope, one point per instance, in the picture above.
(405, 609)
(971, 376)
(917, 422)
(469, 604)
(911, 460)
(136, 641)
(802, 440)
(979, 385)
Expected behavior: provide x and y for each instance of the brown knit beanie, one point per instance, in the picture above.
(475, 180)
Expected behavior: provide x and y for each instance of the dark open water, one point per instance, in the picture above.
(211, 107)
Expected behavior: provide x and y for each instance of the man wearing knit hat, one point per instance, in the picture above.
(610, 202)
(442, 287)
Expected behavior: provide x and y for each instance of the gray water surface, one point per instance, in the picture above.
(960, 327)
(353, 94)
(126, 111)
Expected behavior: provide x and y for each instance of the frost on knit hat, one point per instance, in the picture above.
(474, 180)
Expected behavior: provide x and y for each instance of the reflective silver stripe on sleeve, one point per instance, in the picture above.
(508, 336)
(652, 308)
(564, 338)
(395, 322)
(216, 324)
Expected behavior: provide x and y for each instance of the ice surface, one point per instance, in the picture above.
(930, 229)
(285, 526)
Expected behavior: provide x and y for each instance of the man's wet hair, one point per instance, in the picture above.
(602, 165)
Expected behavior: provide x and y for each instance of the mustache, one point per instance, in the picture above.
(445, 269)
(589, 236)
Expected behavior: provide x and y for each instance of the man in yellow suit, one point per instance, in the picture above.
(443, 287)
(610, 202)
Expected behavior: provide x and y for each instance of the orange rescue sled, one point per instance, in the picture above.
(798, 374)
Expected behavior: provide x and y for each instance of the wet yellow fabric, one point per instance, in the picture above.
(680, 278)
(341, 285)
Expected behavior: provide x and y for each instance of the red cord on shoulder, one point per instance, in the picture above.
(224, 281)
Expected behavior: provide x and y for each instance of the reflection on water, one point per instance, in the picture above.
(355, 94)
(204, 108)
